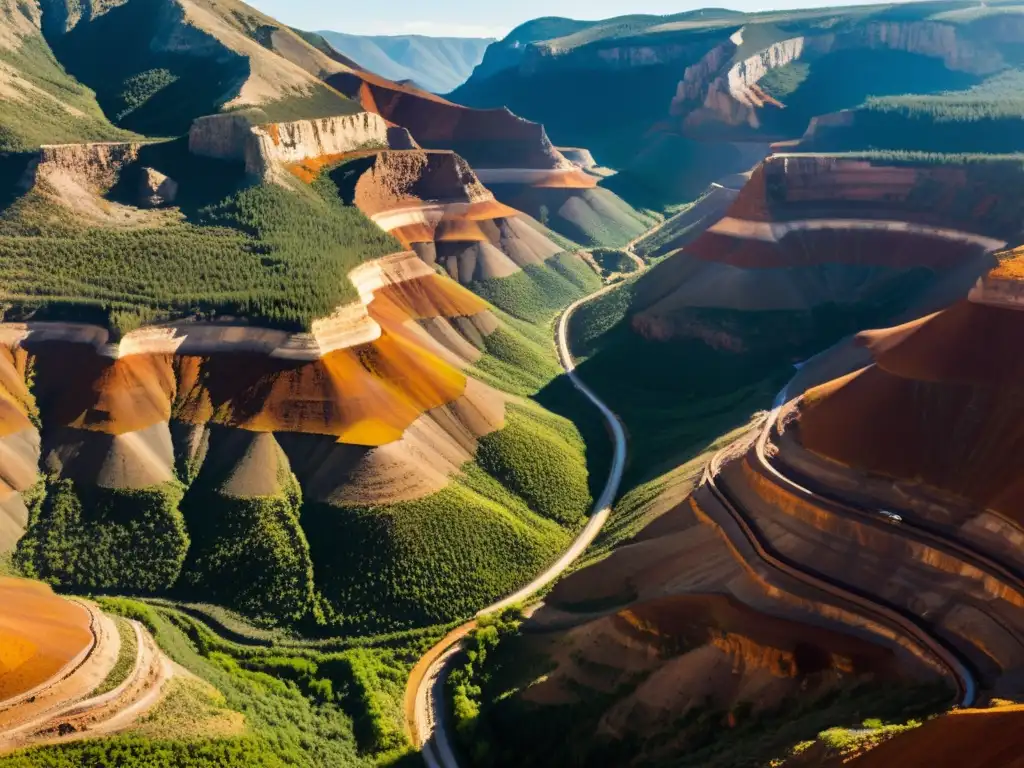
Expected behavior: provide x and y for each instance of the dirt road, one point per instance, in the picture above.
(424, 696)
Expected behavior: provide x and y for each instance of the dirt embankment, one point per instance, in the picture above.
(808, 231)
(42, 636)
(65, 707)
(939, 405)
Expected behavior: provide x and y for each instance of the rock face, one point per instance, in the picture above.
(579, 157)
(99, 165)
(264, 148)
(731, 95)
(487, 138)
(156, 189)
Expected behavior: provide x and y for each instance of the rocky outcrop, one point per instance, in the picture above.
(265, 148)
(578, 156)
(156, 189)
(732, 97)
(97, 165)
(396, 179)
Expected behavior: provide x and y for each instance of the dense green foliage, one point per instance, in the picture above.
(68, 112)
(302, 707)
(250, 553)
(86, 537)
(986, 118)
(430, 560)
(538, 291)
(613, 261)
(279, 256)
(537, 457)
(138, 752)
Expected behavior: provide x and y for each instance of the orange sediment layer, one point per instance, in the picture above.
(366, 395)
(970, 738)
(943, 405)
(430, 296)
(15, 399)
(39, 634)
(1011, 266)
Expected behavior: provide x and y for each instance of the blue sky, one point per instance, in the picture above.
(474, 18)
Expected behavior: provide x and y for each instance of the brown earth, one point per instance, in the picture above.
(941, 404)
(486, 138)
(40, 634)
(969, 738)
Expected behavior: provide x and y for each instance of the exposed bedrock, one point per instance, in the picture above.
(264, 148)
(976, 613)
(487, 138)
(710, 92)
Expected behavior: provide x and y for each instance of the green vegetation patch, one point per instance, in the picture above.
(250, 553)
(539, 457)
(145, 87)
(92, 538)
(140, 752)
(538, 291)
(430, 560)
(125, 657)
(51, 106)
(279, 256)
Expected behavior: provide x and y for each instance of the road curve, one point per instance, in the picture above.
(425, 695)
(879, 611)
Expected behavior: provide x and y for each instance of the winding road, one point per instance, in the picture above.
(425, 701)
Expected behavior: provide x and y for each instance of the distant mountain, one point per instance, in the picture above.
(438, 64)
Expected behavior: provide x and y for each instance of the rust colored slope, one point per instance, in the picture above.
(433, 121)
(963, 439)
(39, 634)
(430, 296)
(944, 403)
(15, 399)
(365, 396)
(968, 343)
(972, 738)
(77, 387)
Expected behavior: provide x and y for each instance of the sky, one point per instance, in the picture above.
(477, 18)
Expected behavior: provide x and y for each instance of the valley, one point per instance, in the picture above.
(627, 392)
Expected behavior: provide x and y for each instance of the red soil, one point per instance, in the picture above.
(15, 400)
(366, 395)
(944, 404)
(970, 738)
(436, 122)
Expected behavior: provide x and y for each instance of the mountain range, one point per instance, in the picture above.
(437, 64)
(650, 399)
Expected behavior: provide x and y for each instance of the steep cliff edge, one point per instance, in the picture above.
(265, 149)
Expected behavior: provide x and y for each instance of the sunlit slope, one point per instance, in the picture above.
(941, 396)
(39, 634)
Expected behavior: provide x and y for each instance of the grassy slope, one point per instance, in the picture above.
(301, 706)
(276, 255)
(65, 112)
(444, 556)
(538, 291)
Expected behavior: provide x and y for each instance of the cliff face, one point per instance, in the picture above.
(731, 95)
(97, 164)
(264, 148)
